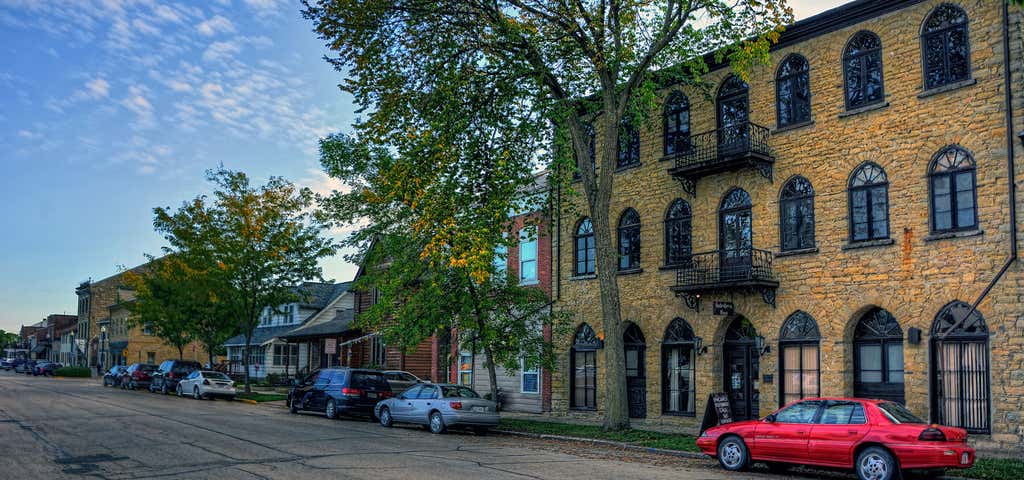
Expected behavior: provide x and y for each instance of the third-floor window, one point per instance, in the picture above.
(629, 240)
(862, 70)
(677, 123)
(945, 47)
(793, 91)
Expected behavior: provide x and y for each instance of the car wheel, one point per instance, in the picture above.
(876, 463)
(292, 407)
(195, 393)
(331, 410)
(732, 454)
(163, 388)
(436, 422)
(178, 390)
(385, 417)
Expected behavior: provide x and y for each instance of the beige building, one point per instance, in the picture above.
(127, 343)
(822, 228)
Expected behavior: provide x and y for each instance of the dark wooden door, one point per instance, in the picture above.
(733, 117)
(735, 243)
(741, 379)
(636, 374)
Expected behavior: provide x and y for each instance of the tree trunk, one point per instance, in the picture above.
(181, 352)
(492, 373)
(245, 360)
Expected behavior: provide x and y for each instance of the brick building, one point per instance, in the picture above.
(822, 228)
(94, 300)
(121, 342)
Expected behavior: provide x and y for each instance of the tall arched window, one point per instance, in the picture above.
(796, 214)
(945, 47)
(583, 359)
(798, 358)
(677, 123)
(733, 116)
(629, 143)
(862, 70)
(878, 357)
(793, 91)
(960, 368)
(629, 240)
(735, 235)
(678, 229)
(953, 190)
(869, 203)
(584, 247)
(679, 389)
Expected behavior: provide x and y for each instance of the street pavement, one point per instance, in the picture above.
(75, 428)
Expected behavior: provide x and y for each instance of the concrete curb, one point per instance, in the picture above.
(628, 446)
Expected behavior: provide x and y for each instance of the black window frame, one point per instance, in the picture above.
(628, 155)
(589, 251)
(792, 79)
(952, 174)
(679, 336)
(678, 241)
(869, 189)
(867, 333)
(861, 57)
(586, 342)
(676, 105)
(789, 195)
(952, 325)
(631, 233)
(799, 330)
(944, 31)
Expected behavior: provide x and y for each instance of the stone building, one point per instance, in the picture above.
(123, 342)
(822, 228)
(94, 300)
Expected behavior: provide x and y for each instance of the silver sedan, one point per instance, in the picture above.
(439, 407)
(203, 383)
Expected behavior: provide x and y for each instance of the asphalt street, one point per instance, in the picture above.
(75, 428)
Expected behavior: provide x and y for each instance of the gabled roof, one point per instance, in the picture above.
(319, 295)
(341, 323)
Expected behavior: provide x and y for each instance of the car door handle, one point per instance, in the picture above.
(800, 432)
(851, 432)
(428, 404)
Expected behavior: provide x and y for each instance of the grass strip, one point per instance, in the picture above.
(643, 438)
(262, 397)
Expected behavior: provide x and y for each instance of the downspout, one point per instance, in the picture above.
(1011, 175)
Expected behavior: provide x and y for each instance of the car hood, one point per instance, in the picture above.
(729, 426)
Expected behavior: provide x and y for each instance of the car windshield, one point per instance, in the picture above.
(215, 376)
(459, 392)
(898, 413)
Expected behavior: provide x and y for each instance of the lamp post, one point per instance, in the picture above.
(74, 349)
(104, 344)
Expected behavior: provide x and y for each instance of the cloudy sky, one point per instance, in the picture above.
(109, 108)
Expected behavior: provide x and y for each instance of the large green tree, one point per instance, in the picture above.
(253, 244)
(585, 62)
(8, 339)
(164, 302)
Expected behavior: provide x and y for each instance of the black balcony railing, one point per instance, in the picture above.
(744, 269)
(727, 148)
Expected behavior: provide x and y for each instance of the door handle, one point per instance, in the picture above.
(428, 404)
(851, 432)
(800, 432)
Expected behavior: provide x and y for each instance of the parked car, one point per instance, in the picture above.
(875, 438)
(339, 391)
(46, 368)
(37, 368)
(138, 375)
(170, 372)
(207, 384)
(25, 367)
(400, 381)
(17, 362)
(439, 407)
(7, 364)
(113, 376)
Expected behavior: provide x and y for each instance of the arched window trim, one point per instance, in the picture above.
(680, 340)
(679, 212)
(848, 55)
(789, 194)
(589, 251)
(878, 327)
(972, 332)
(792, 78)
(586, 343)
(883, 183)
(800, 331)
(926, 34)
(629, 250)
(967, 166)
(677, 141)
(732, 87)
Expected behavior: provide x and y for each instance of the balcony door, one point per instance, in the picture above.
(735, 236)
(733, 116)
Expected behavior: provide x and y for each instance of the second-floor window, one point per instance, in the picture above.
(528, 255)
(584, 248)
(945, 48)
(952, 178)
(678, 233)
(629, 143)
(629, 240)
(796, 214)
(862, 70)
(869, 203)
(793, 91)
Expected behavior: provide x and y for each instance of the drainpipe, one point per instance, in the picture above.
(1011, 175)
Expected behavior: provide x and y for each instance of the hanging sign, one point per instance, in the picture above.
(724, 308)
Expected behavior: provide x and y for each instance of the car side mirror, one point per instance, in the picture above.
(770, 418)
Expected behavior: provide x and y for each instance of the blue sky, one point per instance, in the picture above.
(109, 108)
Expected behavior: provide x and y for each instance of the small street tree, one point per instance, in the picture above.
(583, 63)
(163, 302)
(253, 245)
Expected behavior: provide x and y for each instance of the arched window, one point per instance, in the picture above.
(635, 346)
(679, 389)
(733, 116)
(862, 70)
(878, 357)
(584, 247)
(735, 235)
(629, 143)
(799, 358)
(945, 47)
(869, 203)
(629, 240)
(953, 190)
(583, 359)
(677, 123)
(960, 368)
(678, 229)
(796, 214)
(793, 91)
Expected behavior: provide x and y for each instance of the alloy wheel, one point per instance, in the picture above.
(195, 393)
(332, 410)
(436, 423)
(874, 466)
(385, 417)
(178, 390)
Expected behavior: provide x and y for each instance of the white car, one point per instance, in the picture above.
(206, 384)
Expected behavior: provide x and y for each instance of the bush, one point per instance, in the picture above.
(83, 372)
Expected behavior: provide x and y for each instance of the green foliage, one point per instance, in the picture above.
(80, 372)
(262, 397)
(164, 301)
(994, 469)
(8, 339)
(643, 438)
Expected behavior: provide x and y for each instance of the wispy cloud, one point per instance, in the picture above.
(214, 25)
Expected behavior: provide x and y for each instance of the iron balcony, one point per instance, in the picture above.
(725, 149)
(742, 269)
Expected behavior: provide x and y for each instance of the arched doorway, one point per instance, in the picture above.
(636, 375)
(878, 357)
(960, 369)
(740, 365)
(583, 365)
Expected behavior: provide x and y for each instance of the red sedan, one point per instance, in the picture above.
(874, 437)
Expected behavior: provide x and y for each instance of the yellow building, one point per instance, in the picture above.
(130, 344)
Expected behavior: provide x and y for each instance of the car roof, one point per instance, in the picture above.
(842, 399)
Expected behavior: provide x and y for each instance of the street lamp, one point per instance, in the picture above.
(104, 344)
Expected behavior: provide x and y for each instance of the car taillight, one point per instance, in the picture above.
(932, 434)
(206, 382)
(456, 405)
(352, 392)
(170, 375)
